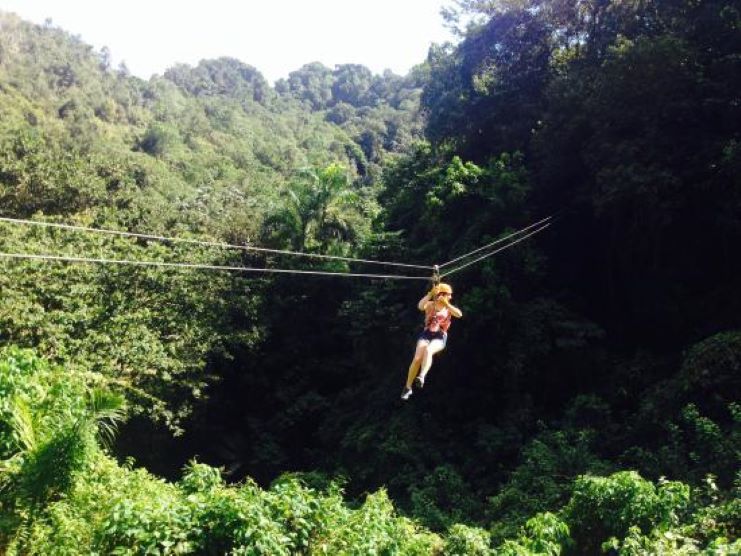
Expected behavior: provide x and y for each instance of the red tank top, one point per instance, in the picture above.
(437, 319)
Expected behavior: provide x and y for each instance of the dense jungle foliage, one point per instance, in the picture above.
(588, 402)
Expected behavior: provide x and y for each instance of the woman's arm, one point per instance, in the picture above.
(425, 300)
(455, 311)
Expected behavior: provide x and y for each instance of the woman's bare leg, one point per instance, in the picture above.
(435, 346)
(419, 354)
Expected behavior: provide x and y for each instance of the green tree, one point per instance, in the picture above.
(319, 210)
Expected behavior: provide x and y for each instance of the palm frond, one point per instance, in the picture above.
(108, 410)
(24, 428)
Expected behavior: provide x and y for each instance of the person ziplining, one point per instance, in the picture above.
(439, 312)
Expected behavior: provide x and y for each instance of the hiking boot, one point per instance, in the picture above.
(406, 393)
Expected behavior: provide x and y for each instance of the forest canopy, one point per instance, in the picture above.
(589, 400)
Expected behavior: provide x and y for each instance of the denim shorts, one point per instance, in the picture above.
(428, 336)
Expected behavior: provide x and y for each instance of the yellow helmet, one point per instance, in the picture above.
(443, 288)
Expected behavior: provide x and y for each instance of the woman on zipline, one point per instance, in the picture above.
(438, 314)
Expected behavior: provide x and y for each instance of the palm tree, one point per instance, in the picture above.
(317, 205)
(52, 447)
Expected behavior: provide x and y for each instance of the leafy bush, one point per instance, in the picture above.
(669, 542)
(603, 507)
(60, 494)
(714, 366)
(462, 540)
(442, 499)
(49, 422)
(544, 479)
(147, 519)
(545, 534)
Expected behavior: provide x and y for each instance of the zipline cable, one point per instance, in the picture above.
(204, 243)
(435, 268)
(498, 241)
(481, 258)
(199, 266)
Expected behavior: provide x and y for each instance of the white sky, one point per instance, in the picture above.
(275, 36)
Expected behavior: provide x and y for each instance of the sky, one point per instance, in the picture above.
(275, 36)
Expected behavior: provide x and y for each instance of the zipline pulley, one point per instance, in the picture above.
(435, 278)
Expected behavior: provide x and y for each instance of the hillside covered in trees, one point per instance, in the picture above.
(589, 401)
